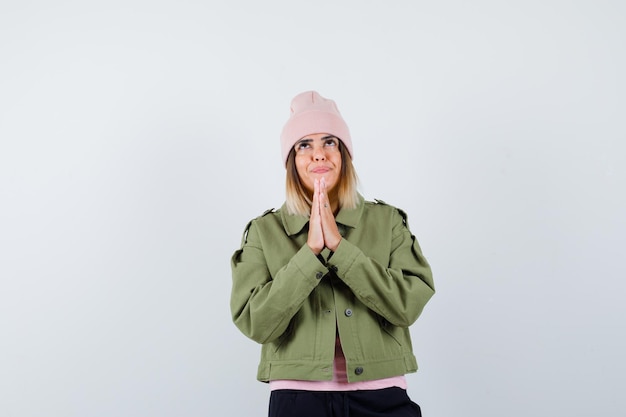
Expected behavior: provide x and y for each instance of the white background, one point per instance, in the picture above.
(137, 138)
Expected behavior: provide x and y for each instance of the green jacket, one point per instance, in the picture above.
(368, 292)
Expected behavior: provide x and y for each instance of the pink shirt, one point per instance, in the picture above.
(340, 379)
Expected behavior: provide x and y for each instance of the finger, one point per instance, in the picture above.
(316, 192)
(322, 190)
(316, 237)
(324, 196)
(331, 234)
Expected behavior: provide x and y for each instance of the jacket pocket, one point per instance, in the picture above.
(393, 331)
(282, 340)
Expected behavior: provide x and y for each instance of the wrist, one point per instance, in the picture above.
(315, 250)
(335, 245)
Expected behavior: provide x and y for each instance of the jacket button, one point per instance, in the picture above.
(334, 268)
(319, 275)
(348, 312)
(358, 370)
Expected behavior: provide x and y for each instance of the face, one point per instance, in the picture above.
(317, 157)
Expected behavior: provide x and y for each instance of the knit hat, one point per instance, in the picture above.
(311, 113)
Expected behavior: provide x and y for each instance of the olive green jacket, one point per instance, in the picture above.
(368, 292)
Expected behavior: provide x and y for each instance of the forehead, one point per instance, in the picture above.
(316, 136)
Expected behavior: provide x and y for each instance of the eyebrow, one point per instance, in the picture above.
(308, 140)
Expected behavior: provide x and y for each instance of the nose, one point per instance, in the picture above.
(319, 154)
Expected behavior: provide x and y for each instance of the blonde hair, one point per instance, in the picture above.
(298, 200)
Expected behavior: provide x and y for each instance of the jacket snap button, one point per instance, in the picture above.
(358, 370)
(348, 312)
(319, 275)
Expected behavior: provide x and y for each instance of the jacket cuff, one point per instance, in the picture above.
(309, 265)
(343, 258)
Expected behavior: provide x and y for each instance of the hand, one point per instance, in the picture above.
(323, 231)
(331, 234)
(316, 235)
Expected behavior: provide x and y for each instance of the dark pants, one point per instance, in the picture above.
(387, 402)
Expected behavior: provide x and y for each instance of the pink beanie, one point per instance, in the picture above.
(310, 114)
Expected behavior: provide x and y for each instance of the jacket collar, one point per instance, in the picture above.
(294, 224)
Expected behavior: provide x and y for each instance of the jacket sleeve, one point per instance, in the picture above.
(262, 305)
(398, 291)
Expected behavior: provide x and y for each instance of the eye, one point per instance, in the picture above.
(330, 142)
(302, 145)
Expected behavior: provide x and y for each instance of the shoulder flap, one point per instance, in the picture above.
(244, 237)
(405, 219)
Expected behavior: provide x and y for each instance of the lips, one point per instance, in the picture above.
(320, 170)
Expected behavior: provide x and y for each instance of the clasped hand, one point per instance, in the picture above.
(323, 231)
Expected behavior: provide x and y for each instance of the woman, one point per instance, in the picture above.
(329, 283)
